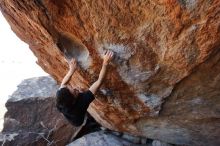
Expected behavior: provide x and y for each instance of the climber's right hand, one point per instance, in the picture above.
(108, 57)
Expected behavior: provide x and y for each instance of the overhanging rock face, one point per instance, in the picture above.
(167, 52)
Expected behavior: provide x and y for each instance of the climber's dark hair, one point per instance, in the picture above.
(64, 99)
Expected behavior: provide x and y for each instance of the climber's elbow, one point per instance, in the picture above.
(95, 86)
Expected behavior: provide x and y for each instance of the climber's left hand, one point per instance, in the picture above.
(73, 64)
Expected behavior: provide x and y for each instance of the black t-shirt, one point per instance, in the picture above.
(77, 112)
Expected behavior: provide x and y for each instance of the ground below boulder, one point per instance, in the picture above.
(110, 138)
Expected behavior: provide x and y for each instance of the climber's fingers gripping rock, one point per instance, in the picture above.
(107, 57)
(72, 64)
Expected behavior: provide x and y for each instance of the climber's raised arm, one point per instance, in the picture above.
(72, 68)
(107, 58)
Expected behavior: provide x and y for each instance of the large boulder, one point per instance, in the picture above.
(103, 138)
(32, 118)
(111, 138)
(166, 51)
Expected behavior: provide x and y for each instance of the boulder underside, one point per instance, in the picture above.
(166, 52)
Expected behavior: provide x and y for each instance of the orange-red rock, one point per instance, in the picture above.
(166, 51)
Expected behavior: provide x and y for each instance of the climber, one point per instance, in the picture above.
(73, 103)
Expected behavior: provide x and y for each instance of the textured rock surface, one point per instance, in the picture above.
(32, 118)
(166, 51)
(102, 138)
(109, 138)
(159, 143)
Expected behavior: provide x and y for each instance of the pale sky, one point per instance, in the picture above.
(17, 63)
